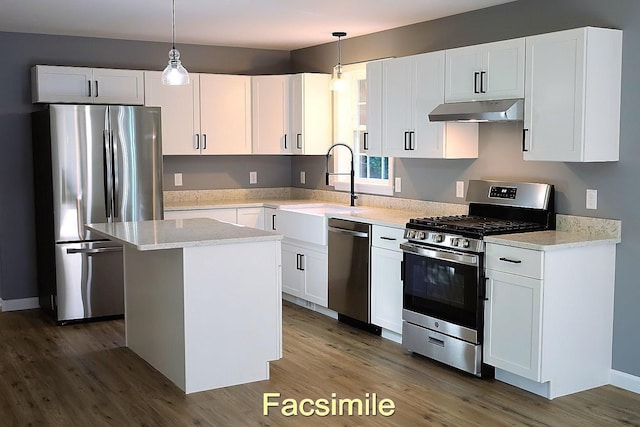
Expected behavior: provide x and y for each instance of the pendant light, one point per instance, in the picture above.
(337, 82)
(175, 74)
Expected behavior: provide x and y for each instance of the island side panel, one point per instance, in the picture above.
(233, 313)
(154, 309)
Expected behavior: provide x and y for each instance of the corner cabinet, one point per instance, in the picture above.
(270, 114)
(54, 84)
(310, 113)
(572, 95)
(549, 317)
(486, 71)
(412, 87)
(211, 115)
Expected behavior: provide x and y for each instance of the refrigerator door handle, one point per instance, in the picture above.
(108, 185)
(116, 179)
(95, 251)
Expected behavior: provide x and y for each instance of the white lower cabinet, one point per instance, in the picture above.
(249, 217)
(305, 272)
(549, 316)
(386, 284)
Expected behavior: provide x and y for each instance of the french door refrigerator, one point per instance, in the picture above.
(93, 164)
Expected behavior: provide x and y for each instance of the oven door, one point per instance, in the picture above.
(442, 284)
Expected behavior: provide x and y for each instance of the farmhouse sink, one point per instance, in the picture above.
(321, 208)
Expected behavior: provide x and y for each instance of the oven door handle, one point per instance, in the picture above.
(458, 258)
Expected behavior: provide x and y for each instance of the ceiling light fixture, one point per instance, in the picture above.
(337, 82)
(175, 73)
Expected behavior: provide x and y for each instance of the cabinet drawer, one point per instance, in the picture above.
(524, 262)
(387, 237)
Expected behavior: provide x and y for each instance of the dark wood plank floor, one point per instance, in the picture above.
(82, 375)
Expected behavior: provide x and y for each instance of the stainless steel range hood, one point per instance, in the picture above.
(501, 110)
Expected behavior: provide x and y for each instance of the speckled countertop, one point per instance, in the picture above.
(181, 233)
(551, 240)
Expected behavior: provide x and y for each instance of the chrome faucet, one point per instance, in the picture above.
(352, 173)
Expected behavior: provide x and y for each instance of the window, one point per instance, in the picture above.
(373, 174)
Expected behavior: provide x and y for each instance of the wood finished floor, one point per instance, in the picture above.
(82, 375)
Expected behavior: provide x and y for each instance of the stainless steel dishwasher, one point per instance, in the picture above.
(349, 272)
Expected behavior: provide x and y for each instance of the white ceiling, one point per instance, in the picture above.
(269, 24)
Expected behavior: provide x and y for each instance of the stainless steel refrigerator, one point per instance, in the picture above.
(93, 164)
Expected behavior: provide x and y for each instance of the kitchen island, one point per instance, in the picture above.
(202, 299)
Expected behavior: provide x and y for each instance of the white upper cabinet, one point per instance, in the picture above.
(572, 96)
(270, 114)
(180, 106)
(51, 84)
(486, 71)
(225, 114)
(371, 139)
(310, 113)
(412, 87)
(211, 115)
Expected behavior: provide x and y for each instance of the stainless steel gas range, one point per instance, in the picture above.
(443, 269)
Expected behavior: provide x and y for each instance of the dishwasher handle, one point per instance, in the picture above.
(349, 232)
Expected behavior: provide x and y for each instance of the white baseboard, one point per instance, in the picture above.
(19, 304)
(626, 381)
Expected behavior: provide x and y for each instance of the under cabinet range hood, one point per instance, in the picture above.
(500, 110)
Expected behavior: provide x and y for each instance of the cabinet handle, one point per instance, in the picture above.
(302, 262)
(299, 141)
(475, 82)
(388, 238)
(412, 140)
(273, 222)
(405, 140)
(97, 89)
(524, 138)
(285, 141)
(483, 77)
(89, 84)
(197, 141)
(513, 261)
(365, 141)
(204, 141)
(297, 261)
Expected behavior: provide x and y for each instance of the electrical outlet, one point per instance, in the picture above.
(303, 178)
(253, 177)
(177, 179)
(592, 199)
(460, 189)
(398, 186)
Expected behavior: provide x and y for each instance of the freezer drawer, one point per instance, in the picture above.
(89, 280)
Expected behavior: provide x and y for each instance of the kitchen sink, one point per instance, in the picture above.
(321, 208)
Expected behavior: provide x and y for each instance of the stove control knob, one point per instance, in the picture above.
(455, 241)
(465, 243)
(438, 238)
(421, 235)
(411, 234)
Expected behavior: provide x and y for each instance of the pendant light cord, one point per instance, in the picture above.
(173, 24)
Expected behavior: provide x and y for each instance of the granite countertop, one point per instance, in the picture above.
(180, 233)
(551, 240)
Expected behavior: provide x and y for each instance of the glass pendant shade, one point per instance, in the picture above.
(175, 74)
(338, 82)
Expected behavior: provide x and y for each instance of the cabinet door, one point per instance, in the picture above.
(179, 113)
(428, 92)
(512, 329)
(292, 275)
(61, 84)
(397, 111)
(504, 69)
(316, 281)
(371, 139)
(251, 217)
(463, 69)
(296, 111)
(270, 114)
(225, 114)
(118, 86)
(386, 289)
(310, 108)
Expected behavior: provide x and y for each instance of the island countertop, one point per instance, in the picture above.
(180, 233)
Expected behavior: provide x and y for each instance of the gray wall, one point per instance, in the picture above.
(19, 52)
(499, 151)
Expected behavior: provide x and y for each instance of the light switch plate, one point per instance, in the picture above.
(398, 184)
(460, 189)
(177, 179)
(253, 177)
(592, 199)
(303, 178)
